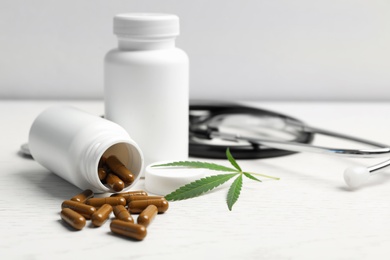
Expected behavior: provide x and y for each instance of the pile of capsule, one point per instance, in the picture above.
(113, 173)
(84, 206)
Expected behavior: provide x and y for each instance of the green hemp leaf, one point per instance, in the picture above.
(206, 184)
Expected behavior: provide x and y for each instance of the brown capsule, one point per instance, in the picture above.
(102, 161)
(121, 213)
(137, 206)
(83, 209)
(120, 170)
(128, 229)
(82, 197)
(101, 215)
(147, 215)
(115, 182)
(113, 201)
(133, 193)
(137, 197)
(129, 194)
(102, 173)
(73, 218)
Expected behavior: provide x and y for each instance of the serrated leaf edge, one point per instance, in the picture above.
(198, 187)
(250, 176)
(234, 192)
(199, 165)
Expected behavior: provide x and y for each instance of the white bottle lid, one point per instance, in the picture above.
(164, 180)
(150, 25)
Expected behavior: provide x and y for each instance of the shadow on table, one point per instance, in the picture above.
(46, 182)
(24, 155)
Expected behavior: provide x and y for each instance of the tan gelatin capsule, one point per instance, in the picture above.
(121, 213)
(147, 215)
(101, 215)
(102, 173)
(73, 218)
(137, 206)
(83, 209)
(139, 197)
(113, 201)
(115, 182)
(128, 229)
(82, 197)
(102, 161)
(128, 195)
(120, 169)
(135, 193)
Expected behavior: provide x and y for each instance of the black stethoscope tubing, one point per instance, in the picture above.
(197, 132)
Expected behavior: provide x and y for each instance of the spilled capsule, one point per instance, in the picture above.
(83, 196)
(73, 218)
(131, 193)
(128, 229)
(137, 206)
(139, 197)
(128, 195)
(147, 215)
(121, 213)
(113, 201)
(101, 215)
(83, 209)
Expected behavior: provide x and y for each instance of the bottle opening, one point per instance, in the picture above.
(126, 154)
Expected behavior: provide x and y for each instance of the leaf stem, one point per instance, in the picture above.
(263, 175)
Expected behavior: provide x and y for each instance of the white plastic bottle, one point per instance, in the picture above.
(70, 143)
(146, 85)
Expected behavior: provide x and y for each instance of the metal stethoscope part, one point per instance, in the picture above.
(214, 122)
(354, 176)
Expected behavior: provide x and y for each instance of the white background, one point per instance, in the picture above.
(253, 50)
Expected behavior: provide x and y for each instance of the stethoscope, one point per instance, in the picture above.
(253, 133)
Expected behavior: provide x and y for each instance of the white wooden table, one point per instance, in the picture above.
(308, 214)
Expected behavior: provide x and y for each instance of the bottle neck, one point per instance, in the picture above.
(131, 44)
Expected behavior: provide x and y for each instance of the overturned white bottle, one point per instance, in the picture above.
(147, 86)
(70, 143)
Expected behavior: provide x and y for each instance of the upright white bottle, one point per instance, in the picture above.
(147, 85)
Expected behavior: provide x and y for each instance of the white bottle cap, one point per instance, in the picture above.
(150, 25)
(164, 180)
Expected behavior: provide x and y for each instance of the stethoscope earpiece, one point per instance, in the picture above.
(356, 176)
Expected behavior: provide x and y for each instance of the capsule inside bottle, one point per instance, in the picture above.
(125, 159)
